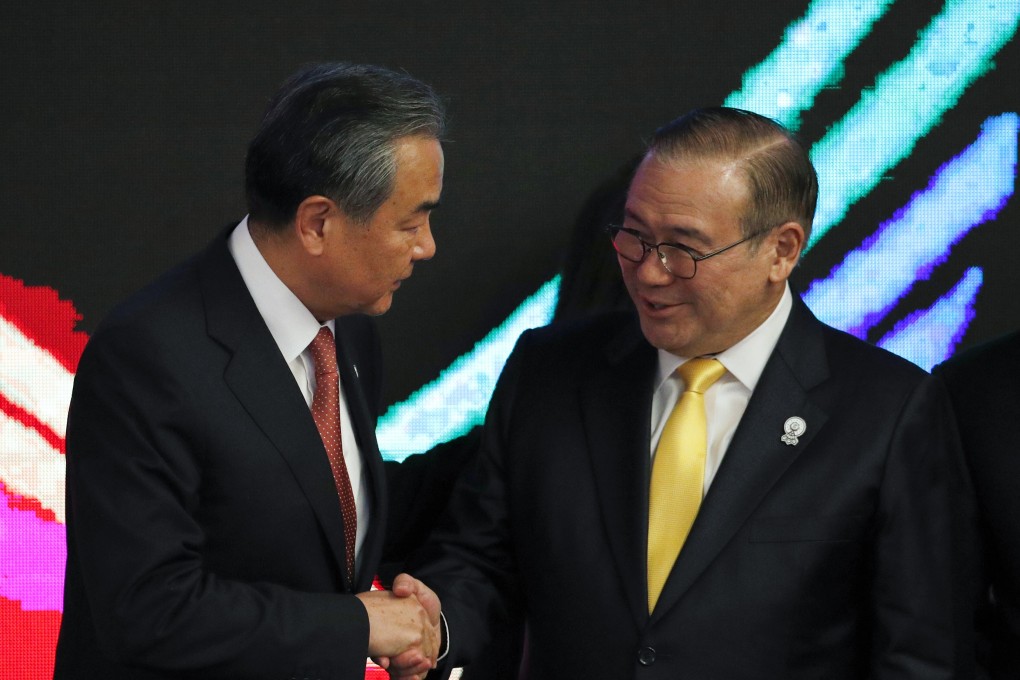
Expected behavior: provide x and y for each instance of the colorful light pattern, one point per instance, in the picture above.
(929, 336)
(905, 249)
(809, 58)
(456, 401)
(906, 102)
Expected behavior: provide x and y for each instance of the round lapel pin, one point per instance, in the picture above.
(794, 428)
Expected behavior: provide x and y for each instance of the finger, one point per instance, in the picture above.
(429, 600)
(405, 585)
(410, 662)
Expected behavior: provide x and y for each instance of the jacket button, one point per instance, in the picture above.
(646, 656)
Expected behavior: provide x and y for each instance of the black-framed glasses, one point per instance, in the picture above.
(678, 259)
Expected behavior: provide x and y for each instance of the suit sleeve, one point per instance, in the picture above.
(419, 489)
(469, 560)
(918, 585)
(135, 534)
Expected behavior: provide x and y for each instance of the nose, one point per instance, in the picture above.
(425, 248)
(652, 272)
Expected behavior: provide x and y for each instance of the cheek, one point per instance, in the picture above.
(390, 255)
(628, 277)
(712, 302)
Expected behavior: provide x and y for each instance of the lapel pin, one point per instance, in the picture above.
(794, 427)
(356, 375)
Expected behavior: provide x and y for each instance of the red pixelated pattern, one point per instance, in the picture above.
(27, 642)
(39, 313)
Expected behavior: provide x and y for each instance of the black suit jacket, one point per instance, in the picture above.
(204, 530)
(828, 559)
(984, 386)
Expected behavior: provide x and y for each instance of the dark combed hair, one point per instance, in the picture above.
(782, 182)
(330, 131)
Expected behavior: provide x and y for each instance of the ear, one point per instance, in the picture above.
(312, 222)
(789, 241)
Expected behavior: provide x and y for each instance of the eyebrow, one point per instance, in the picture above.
(427, 206)
(681, 232)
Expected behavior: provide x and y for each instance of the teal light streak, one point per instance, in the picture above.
(977, 183)
(928, 337)
(456, 401)
(809, 58)
(907, 100)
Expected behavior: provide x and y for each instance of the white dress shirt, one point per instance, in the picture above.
(726, 399)
(293, 328)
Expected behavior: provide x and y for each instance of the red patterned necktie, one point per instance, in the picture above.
(326, 412)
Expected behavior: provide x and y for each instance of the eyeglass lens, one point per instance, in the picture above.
(676, 260)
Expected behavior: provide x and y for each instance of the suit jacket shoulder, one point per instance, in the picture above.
(986, 372)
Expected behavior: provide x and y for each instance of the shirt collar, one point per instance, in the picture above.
(292, 326)
(745, 360)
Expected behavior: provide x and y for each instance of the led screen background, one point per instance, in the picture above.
(124, 130)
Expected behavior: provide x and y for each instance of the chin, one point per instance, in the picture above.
(379, 307)
(663, 338)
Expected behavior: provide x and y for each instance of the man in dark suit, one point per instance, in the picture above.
(226, 496)
(984, 388)
(814, 473)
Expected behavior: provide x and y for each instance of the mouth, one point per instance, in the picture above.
(654, 307)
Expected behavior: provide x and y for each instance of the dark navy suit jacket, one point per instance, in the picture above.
(830, 558)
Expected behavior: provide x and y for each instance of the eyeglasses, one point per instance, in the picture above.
(678, 259)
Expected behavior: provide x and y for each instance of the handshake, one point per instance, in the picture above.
(404, 628)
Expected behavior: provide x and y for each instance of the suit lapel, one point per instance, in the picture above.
(616, 410)
(756, 457)
(265, 386)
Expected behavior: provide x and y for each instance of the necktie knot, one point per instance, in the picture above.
(700, 374)
(323, 349)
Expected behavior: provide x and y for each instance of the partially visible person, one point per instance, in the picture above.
(226, 497)
(984, 388)
(590, 280)
(718, 486)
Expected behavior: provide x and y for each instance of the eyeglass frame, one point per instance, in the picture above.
(647, 247)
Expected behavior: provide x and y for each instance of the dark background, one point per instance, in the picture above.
(123, 127)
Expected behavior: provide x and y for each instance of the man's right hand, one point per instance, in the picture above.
(398, 625)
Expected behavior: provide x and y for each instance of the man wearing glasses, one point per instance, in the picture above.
(723, 487)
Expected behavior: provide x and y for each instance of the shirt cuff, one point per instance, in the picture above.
(444, 644)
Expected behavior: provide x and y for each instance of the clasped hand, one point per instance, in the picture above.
(404, 629)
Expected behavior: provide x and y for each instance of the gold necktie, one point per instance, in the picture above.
(678, 473)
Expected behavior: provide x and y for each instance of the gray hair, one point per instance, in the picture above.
(782, 182)
(331, 130)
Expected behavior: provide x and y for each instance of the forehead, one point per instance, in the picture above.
(691, 195)
(418, 159)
